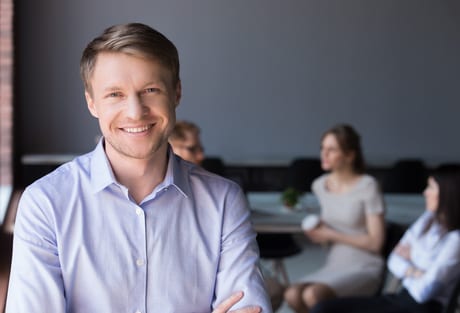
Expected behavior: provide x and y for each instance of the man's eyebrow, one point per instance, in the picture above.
(112, 88)
(154, 82)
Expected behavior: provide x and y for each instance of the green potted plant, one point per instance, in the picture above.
(290, 197)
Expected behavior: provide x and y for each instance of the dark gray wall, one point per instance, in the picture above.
(263, 78)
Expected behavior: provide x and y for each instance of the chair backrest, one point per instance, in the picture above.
(393, 233)
(277, 246)
(301, 173)
(214, 165)
(453, 304)
(406, 176)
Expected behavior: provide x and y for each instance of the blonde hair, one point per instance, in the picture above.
(134, 39)
(181, 128)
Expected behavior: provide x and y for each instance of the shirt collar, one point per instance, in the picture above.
(177, 172)
(101, 171)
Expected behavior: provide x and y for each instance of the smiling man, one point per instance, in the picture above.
(130, 227)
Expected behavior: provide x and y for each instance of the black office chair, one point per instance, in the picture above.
(406, 176)
(453, 305)
(393, 233)
(451, 166)
(276, 247)
(301, 173)
(214, 165)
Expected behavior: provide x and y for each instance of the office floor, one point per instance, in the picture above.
(311, 258)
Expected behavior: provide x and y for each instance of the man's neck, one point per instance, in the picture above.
(140, 176)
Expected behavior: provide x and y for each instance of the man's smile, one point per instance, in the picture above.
(137, 129)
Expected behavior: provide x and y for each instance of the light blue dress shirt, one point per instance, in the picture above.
(81, 244)
(435, 252)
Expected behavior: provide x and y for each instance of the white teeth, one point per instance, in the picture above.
(137, 129)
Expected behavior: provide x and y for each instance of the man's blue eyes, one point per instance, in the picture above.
(119, 94)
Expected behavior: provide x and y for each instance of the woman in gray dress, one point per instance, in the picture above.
(352, 225)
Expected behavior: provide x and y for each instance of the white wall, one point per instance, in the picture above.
(263, 78)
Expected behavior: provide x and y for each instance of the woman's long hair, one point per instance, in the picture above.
(448, 211)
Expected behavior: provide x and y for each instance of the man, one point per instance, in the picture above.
(185, 142)
(130, 227)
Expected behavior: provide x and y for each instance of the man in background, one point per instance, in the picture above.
(185, 142)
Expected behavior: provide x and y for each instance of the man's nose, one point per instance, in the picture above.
(135, 107)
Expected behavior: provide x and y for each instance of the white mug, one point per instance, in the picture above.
(310, 221)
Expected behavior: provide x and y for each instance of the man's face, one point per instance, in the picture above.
(135, 101)
(189, 149)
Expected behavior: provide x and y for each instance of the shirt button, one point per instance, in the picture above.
(139, 211)
(139, 262)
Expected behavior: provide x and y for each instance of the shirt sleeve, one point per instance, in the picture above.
(373, 201)
(35, 278)
(397, 264)
(239, 260)
(318, 184)
(442, 273)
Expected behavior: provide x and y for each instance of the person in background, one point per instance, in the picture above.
(130, 227)
(185, 142)
(352, 225)
(427, 258)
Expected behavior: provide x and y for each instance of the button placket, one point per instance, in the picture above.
(139, 260)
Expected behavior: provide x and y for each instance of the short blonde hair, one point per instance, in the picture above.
(134, 39)
(181, 129)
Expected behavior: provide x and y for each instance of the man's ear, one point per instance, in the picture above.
(90, 104)
(178, 94)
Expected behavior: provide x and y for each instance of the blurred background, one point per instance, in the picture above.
(262, 78)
